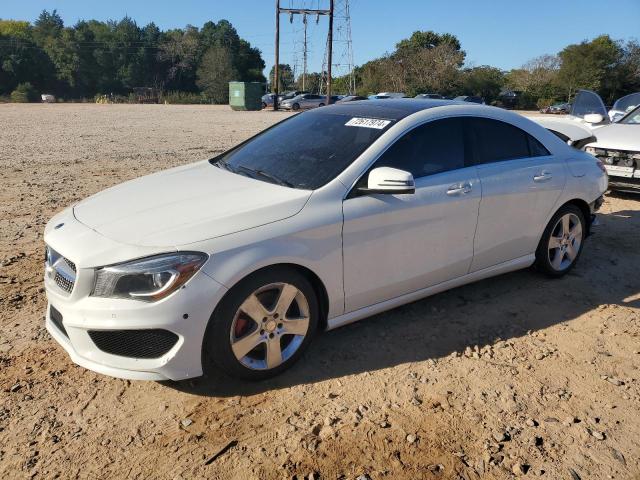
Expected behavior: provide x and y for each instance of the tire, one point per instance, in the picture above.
(264, 105)
(296, 106)
(232, 332)
(321, 105)
(562, 242)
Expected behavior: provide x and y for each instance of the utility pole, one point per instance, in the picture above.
(330, 52)
(276, 68)
(304, 54)
(291, 12)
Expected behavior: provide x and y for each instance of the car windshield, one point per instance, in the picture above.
(627, 103)
(587, 102)
(632, 118)
(305, 151)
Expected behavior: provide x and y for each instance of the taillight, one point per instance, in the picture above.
(601, 166)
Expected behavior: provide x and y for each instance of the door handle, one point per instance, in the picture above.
(542, 176)
(459, 189)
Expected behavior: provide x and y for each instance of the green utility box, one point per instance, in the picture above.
(246, 95)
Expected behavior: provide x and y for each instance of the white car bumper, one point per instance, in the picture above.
(121, 337)
(133, 339)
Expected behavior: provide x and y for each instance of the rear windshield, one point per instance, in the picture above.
(305, 151)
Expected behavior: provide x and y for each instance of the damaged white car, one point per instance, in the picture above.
(588, 127)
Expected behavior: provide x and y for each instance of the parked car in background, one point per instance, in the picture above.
(616, 144)
(236, 263)
(508, 98)
(304, 102)
(557, 108)
(385, 95)
(267, 100)
(470, 98)
(435, 96)
(624, 105)
(290, 95)
(351, 98)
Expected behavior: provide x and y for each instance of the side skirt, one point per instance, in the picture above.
(510, 266)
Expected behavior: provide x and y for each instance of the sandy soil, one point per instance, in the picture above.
(516, 375)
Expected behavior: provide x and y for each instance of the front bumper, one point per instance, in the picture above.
(185, 314)
(107, 335)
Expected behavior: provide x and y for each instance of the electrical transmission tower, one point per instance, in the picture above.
(342, 49)
(301, 52)
(302, 11)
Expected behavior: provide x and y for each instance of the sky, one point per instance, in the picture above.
(501, 33)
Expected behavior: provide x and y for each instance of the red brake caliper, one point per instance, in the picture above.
(241, 327)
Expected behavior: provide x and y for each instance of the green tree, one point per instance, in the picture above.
(535, 80)
(285, 77)
(312, 83)
(593, 65)
(179, 50)
(215, 72)
(425, 40)
(24, 93)
(48, 25)
(17, 29)
(484, 81)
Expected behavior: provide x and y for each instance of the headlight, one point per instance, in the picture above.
(148, 279)
(590, 150)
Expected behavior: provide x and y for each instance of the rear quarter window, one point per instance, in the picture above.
(495, 141)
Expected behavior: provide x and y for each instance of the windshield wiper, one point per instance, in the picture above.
(222, 163)
(274, 179)
(251, 173)
(261, 173)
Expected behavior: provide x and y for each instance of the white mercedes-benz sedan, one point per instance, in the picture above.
(237, 262)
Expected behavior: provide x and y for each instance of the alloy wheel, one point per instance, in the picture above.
(565, 241)
(269, 326)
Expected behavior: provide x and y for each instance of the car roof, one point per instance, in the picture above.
(391, 109)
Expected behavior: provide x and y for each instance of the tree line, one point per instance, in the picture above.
(429, 62)
(113, 57)
(193, 64)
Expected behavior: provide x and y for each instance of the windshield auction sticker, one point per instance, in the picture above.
(368, 123)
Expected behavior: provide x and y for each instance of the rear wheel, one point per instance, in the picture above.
(321, 105)
(263, 325)
(561, 242)
(264, 105)
(296, 106)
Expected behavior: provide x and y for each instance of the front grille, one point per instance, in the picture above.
(61, 270)
(56, 319)
(152, 343)
(623, 158)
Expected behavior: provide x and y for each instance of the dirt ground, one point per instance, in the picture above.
(513, 376)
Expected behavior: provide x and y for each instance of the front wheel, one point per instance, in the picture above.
(321, 105)
(263, 325)
(296, 106)
(561, 242)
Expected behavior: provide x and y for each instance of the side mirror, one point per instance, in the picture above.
(389, 181)
(593, 118)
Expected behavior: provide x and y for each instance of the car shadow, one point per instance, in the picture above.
(483, 313)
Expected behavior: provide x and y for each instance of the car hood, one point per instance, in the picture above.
(185, 205)
(618, 136)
